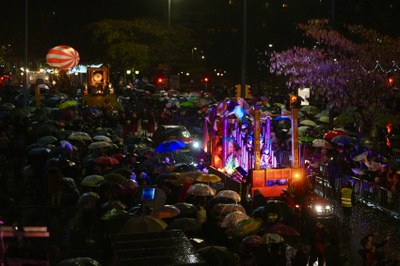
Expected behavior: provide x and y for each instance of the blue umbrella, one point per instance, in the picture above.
(282, 118)
(170, 145)
(343, 140)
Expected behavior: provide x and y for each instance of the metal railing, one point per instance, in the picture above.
(367, 192)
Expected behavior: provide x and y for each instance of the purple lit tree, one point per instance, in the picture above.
(349, 69)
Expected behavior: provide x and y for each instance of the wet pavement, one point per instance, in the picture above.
(366, 219)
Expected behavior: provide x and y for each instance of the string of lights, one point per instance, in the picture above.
(378, 67)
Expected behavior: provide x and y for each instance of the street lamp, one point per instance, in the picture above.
(26, 54)
(169, 45)
(244, 49)
(193, 50)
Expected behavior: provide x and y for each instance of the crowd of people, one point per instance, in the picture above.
(47, 154)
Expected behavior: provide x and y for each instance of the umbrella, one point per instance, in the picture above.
(345, 118)
(186, 104)
(306, 139)
(106, 160)
(78, 135)
(229, 194)
(322, 113)
(308, 122)
(360, 156)
(184, 224)
(282, 118)
(358, 171)
(333, 133)
(67, 104)
(303, 130)
(88, 200)
(7, 106)
(219, 255)
(166, 211)
(115, 178)
(143, 224)
(208, 178)
(253, 241)
(92, 180)
(126, 172)
(102, 138)
(309, 109)
(323, 119)
(47, 140)
(247, 227)
(321, 143)
(186, 208)
(114, 204)
(99, 145)
(226, 208)
(79, 261)
(231, 219)
(342, 140)
(39, 151)
(66, 145)
(200, 189)
(273, 211)
(113, 213)
(170, 145)
(282, 229)
(321, 129)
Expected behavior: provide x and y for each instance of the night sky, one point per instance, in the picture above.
(52, 23)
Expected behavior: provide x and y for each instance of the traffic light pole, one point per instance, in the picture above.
(295, 138)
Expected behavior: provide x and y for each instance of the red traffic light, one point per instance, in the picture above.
(206, 79)
(390, 81)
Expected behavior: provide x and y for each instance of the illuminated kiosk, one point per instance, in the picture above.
(98, 89)
(250, 128)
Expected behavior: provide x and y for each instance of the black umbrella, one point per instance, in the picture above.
(274, 211)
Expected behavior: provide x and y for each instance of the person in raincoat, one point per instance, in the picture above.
(347, 200)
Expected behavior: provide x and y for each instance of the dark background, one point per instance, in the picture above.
(217, 23)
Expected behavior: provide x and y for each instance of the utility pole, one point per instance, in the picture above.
(244, 50)
(25, 87)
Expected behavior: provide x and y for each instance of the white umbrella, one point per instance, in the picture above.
(229, 194)
(308, 122)
(321, 143)
(99, 145)
(201, 189)
(102, 138)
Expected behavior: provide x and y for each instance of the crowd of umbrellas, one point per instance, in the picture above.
(124, 170)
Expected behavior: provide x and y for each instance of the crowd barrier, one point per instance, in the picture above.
(366, 191)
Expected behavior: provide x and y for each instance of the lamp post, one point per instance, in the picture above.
(244, 50)
(26, 55)
(169, 45)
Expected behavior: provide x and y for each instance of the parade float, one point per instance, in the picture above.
(234, 122)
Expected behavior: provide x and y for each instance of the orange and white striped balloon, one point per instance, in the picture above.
(63, 57)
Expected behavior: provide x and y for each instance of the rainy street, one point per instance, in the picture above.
(366, 219)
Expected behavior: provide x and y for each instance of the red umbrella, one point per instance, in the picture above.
(334, 133)
(282, 229)
(106, 160)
